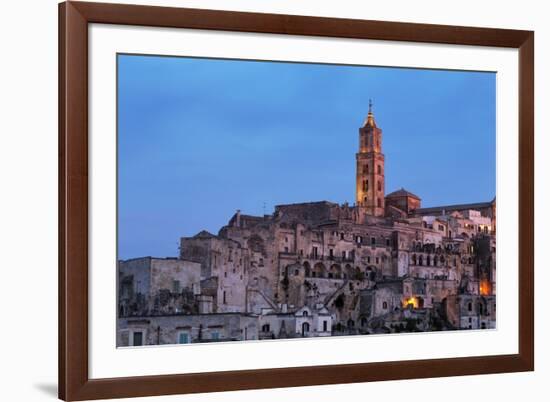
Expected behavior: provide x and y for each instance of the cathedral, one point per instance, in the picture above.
(382, 265)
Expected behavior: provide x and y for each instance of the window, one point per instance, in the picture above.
(137, 338)
(176, 286)
(314, 252)
(372, 241)
(183, 337)
(377, 260)
(344, 255)
(325, 326)
(470, 306)
(296, 272)
(385, 305)
(366, 168)
(379, 186)
(224, 299)
(365, 185)
(305, 313)
(379, 169)
(368, 259)
(387, 242)
(215, 335)
(331, 253)
(359, 239)
(286, 249)
(379, 202)
(265, 328)
(342, 236)
(305, 328)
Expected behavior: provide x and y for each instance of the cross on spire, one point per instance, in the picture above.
(370, 105)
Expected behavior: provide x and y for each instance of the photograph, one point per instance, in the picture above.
(268, 200)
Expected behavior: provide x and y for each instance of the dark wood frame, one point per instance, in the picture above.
(74, 17)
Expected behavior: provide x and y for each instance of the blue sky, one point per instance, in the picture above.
(201, 138)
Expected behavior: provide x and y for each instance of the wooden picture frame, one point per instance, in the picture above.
(74, 381)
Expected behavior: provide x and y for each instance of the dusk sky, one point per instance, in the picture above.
(200, 138)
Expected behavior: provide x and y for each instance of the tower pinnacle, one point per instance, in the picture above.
(369, 121)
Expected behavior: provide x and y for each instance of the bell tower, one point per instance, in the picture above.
(369, 190)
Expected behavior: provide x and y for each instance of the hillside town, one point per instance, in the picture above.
(382, 265)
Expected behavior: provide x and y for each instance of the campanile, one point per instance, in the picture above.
(369, 190)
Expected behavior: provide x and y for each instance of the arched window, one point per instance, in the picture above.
(379, 186)
(365, 185)
(365, 200)
(420, 260)
(428, 260)
(414, 259)
(307, 268)
(470, 306)
(385, 305)
(379, 169)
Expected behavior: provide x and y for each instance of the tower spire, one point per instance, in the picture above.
(370, 117)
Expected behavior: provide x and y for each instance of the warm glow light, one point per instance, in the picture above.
(485, 287)
(413, 301)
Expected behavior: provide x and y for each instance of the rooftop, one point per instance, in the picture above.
(402, 193)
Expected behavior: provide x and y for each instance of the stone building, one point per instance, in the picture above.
(384, 264)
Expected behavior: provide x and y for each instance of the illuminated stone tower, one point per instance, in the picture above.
(369, 190)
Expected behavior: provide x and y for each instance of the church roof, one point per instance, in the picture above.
(402, 193)
(204, 234)
(456, 207)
